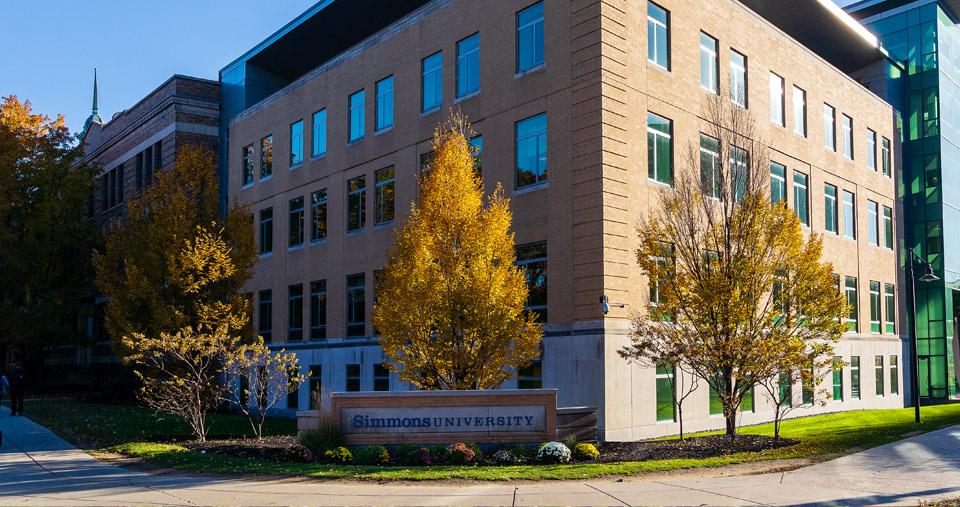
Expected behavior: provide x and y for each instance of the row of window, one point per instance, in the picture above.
(148, 161)
(530, 55)
(883, 305)
(658, 54)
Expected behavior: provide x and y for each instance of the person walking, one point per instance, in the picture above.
(18, 385)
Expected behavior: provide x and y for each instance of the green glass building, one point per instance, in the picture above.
(921, 82)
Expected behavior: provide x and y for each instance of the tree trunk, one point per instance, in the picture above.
(731, 420)
(680, 419)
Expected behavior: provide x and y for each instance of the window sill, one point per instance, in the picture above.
(294, 248)
(355, 141)
(532, 70)
(321, 241)
(384, 225)
(658, 183)
(266, 255)
(656, 66)
(314, 158)
(248, 185)
(428, 112)
(356, 232)
(384, 130)
(801, 135)
(268, 178)
(530, 188)
(466, 97)
(296, 166)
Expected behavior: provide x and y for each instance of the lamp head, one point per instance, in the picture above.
(604, 304)
(929, 275)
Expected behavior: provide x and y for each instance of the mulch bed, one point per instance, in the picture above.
(691, 448)
(273, 448)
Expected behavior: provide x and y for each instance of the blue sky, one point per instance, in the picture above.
(52, 46)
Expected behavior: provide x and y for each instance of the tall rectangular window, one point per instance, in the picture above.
(296, 143)
(352, 380)
(531, 376)
(894, 375)
(739, 173)
(148, 168)
(468, 66)
(885, 157)
(801, 197)
(829, 127)
(266, 231)
(140, 175)
(316, 386)
(710, 166)
(837, 379)
(266, 158)
(658, 36)
(871, 150)
(319, 133)
(800, 111)
(777, 103)
(664, 260)
(778, 183)
(846, 135)
(806, 387)
(855, 377)
(888, 227)
(295, 312)
(716, 404)
(530, 37)
(356, 104)
(296, 223)
(874, 306)
(318, 215)
(890, 307)
(384, 195)
(878, 374)
(381, 377)
(873, 223)
(356, 305)
(247, 165)
(318, 310)
(666, 407)
(849, 215)
(850, 288)
(356, 203)
(785, 389)
(532, 258)
(659, 149)
(265, 315)
(738, 78)
(384, 103)
(709, 63)
(830, 208)
(432, 81)
(531, 137)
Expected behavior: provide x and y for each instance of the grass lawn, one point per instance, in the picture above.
(136, 432)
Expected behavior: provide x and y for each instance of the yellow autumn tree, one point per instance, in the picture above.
(739, 293)
(450, 302)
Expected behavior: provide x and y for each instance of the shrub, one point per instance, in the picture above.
(477, 452)
(325, 437)
(339, 456)
(553, 452)
(438, 454)
(505, 457)
(422, 456)
(298, 454)
(584, 451)
(525, 452)
(372, 455)
(460, 454)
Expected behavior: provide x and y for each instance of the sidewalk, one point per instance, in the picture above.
(39, 468)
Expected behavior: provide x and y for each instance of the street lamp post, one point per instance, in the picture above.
(928, 276)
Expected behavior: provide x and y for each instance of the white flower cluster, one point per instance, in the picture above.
(554, 452)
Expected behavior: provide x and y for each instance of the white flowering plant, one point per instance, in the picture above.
(553, 452)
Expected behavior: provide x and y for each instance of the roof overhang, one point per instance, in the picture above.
(864, 9)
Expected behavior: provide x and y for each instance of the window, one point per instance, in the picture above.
(830, 208)
(468, 66)
(381, 377)
(476, 147)
(665, 259)
(266, 158)
(293, 399)
(353, 377)
(806, 387)
(532, 258)
(747, 403)
(432, 81)
(659, 149)
(855, 377)
(777, 111)
(738, 78)
(356, 103)
(871, 150)
(530, 37)
(295, 312)
(885, 156)
(148, 162)
(531, 137)
(894, 375)
(531, 376)
(851, 292)
(837, 379)
(800, 111)
(266, 231)
(890, 307)
(356, 305)
(874, 306)
(878, 374)
(296, 143)
(316, 385)
(829, 128)
(849, 215)
(265, 315)
(888, 227)
(873, 223)
(739, 173)
(709, 65)
(385, 103)
(139, 169)
(318, 310)
(658, 36)
(247, 165)
(710, 166)
(786, 390)
(801, 199)
(778, 183)
(666, 407)
(319, 133)
(318, 215)
(356, 203)
(716, 405)
(846, 135)
(384, 196)
(296, 223)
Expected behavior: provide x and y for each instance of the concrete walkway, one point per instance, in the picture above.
(39, 468)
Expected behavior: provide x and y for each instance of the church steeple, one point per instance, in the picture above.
(94, 117)
(95, 108)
